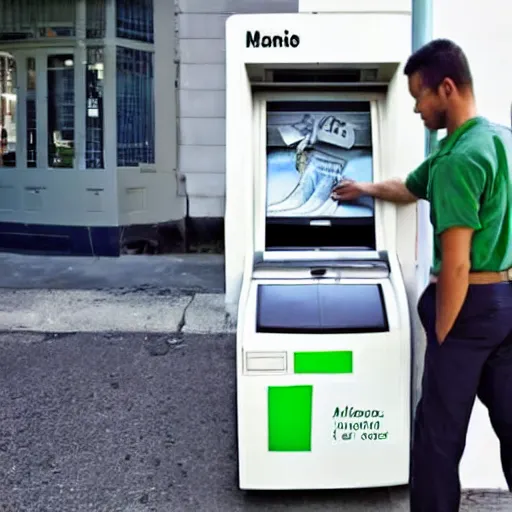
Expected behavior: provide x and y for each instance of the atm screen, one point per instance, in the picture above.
(311, 147)
(322, 308)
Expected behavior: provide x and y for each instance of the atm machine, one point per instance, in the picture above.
(319, 288)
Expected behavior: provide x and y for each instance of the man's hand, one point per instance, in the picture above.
(393, 190)
(347, 190)
(452, 284)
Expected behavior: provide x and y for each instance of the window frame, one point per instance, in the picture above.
(153, 162)
(41, 55)
(78, 47)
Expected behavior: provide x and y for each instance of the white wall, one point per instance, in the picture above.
(482, 29)
(202, 91)
(351, 5)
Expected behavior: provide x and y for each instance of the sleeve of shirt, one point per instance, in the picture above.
(417, 181)
(457, 187)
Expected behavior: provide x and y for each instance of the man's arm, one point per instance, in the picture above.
(457, 189)
(453, 279)
(393, 190)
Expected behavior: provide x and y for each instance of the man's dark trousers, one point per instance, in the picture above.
(475, 359)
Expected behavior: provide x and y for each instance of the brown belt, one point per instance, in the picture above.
(485, 277)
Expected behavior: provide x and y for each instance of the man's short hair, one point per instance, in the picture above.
(440, 59)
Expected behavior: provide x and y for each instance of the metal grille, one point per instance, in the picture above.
(135, 107)
(135, 20)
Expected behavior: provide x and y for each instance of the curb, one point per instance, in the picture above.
(152, 311)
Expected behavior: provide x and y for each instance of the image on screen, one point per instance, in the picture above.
(311, 147)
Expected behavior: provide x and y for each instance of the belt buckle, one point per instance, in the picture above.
(509, 274)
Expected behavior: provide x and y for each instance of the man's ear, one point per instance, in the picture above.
(448, 87)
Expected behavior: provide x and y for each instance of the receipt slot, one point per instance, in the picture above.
(319, 288)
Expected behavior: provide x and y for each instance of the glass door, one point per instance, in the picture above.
(45, 84)
(8, 109)
(61, 109)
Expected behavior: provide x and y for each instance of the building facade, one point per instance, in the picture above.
(112, 117)
(88, 120)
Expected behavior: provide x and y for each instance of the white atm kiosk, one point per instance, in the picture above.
(319, 288)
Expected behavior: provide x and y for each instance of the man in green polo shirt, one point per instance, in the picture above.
(466, 310)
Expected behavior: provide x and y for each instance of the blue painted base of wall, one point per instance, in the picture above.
(60, 240)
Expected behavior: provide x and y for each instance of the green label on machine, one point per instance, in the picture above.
(290, 411)
(323, 362)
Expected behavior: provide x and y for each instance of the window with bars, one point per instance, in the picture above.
(135, 107)
(34, 19)
(95, 25)
(135, 20)
(31, 113)
(37, 19)
(61, 111)
(94, 109)
(134, 91)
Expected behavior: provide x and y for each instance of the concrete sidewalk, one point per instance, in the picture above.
(172, 293)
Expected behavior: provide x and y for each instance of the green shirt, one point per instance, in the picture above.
(468, 182)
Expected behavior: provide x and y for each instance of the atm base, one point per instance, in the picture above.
(290, 439)
(322, 402)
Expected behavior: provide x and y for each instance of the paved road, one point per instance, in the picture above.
(135, 423)
(199, 273)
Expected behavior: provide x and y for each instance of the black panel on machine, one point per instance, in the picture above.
(321, 308)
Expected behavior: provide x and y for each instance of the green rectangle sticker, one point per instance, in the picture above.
(323, 362)
(290, 411)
